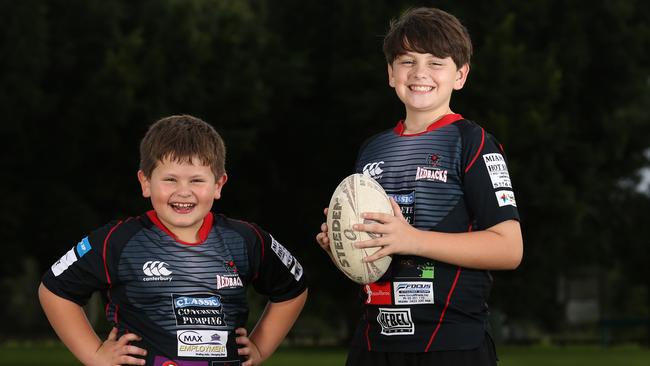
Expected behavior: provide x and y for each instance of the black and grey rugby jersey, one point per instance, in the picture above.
(451, 178)
(185, 300)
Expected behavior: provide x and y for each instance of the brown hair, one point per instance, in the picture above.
(428, 30)
(181, 138)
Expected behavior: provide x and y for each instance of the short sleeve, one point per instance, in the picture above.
(486, 183)
(279, 274)
(81, 270)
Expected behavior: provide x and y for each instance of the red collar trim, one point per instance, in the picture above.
(441, 122)
(204, 230)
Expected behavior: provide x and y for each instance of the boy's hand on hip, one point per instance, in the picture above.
(118, 351)
(247, 348)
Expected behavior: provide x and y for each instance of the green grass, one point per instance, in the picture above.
(52, 353)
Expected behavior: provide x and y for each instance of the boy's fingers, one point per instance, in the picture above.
(325, 210)
(128, 337)
(112, 335)
(129, 360)
(323, 227)
(133, 350)
(241, 331)
(396, 209)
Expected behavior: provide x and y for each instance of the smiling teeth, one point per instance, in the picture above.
(421, 88)
(183, 205)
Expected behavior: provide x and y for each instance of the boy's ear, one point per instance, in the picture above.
(219, 185)
(144, 183)
(461, 77)
(391, 79)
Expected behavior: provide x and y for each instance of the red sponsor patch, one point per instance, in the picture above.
(378, 293)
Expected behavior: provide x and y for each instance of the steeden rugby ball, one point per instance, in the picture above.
(356, 194)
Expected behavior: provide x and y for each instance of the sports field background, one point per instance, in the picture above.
(52, 353)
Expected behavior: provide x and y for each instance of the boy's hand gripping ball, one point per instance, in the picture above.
(356, 194)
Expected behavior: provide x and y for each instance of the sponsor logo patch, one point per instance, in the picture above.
(83, 247)
(200, 309)
(378, 293)
(164, 361)
(498, 171)
(202, 343)
(412, 293)
(289, 260)
(156, 271)
(62, 264)
(373, 170)
(506, 198)
(409, 269)
(395, 322)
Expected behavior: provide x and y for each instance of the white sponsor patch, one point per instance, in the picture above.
(202, 343)
(289, 260)
(395, 321)
(63, 263)
(506, 198)
(409, 293)
(498, 170)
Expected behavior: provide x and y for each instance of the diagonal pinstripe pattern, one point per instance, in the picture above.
(403, 155)
(194, 270)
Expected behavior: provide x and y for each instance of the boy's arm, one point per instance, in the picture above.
(73, 328)
(497, 247)
(273, 326)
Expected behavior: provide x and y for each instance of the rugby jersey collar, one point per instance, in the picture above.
(441, 122)
(204, 230)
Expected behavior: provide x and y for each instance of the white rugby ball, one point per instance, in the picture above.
(356, 194)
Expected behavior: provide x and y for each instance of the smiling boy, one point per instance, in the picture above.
(455, 217)
(174, 280)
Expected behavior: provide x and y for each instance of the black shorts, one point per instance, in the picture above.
(484, 355)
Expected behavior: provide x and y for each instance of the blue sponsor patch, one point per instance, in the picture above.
(404, 199)
(209, 302)
(83, 247)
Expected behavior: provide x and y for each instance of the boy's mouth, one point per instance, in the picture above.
(420, 88)
(182, 207)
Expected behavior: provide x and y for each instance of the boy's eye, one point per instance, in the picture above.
(169, 179)
(198, 180)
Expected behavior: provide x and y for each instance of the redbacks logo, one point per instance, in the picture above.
(431, 171)
(433, 160)
(229, 281)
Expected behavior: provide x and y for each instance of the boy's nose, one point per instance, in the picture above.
(419, 70)
(184, 190)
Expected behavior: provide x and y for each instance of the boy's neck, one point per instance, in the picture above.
(190, 237)
(419, 122)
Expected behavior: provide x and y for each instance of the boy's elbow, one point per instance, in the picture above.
(516, 256)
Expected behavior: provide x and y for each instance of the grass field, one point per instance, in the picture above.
(53, 354)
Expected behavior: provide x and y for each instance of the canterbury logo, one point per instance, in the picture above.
(373, 169)
(156, 268)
